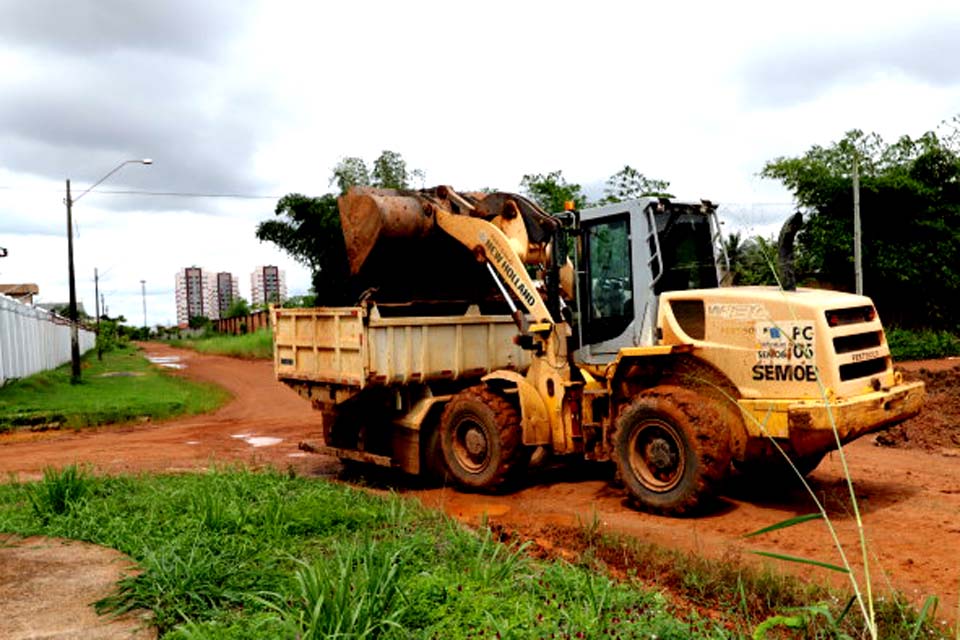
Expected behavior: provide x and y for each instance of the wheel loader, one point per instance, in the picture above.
(490, 334)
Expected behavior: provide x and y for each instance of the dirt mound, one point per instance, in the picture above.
(937, 428)
(47, 587)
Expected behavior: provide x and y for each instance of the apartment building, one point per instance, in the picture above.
(268, 284)
(200, 292)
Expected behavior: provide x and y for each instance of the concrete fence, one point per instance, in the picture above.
(243, 324)
(33, 340)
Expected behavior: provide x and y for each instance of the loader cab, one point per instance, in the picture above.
(628, 254)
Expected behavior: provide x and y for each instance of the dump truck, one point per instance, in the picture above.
(490, 334)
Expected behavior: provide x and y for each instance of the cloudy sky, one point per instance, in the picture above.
(239, 102)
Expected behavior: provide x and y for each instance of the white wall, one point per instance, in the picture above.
(33, 340)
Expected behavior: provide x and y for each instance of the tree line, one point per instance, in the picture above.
(910, 203)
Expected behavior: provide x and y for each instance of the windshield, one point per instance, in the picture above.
(686, 248)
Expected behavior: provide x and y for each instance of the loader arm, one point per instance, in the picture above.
(491, 244)
(492, 226)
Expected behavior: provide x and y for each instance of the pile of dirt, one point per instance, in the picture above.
(937, 428)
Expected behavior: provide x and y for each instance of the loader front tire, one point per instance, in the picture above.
(671, 448)
(481, 439)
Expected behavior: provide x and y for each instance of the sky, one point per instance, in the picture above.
(239, 102)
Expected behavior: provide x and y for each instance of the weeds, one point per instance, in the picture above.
(60, 492)
(353, 594)
(256, 345)
(235, 554)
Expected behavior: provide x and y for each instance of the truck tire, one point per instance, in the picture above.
(481, 439)
(671, 448)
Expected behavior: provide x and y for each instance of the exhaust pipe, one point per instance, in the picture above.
(785, 248)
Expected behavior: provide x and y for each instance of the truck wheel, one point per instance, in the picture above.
(671, 448)
(481, 438)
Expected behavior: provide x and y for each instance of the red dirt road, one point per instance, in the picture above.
(909, 498)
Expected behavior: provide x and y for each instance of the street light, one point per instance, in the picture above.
(74, 332)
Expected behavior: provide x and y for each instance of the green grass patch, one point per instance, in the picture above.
(924, 344)
(256, 345)
(123, 387)
(236, 554)
(752, 601)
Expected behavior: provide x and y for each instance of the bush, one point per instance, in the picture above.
(908, 344)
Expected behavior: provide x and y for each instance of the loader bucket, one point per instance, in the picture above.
(369, 215)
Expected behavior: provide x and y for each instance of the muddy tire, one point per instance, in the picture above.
(481, 440)
(671, 448)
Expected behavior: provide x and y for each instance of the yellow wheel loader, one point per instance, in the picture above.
(490, 333)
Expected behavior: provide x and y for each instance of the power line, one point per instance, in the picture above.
(169, 194)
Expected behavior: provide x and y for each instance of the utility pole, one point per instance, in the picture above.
(74, 331)
(143, 293)
(857, 255)
(96, 303)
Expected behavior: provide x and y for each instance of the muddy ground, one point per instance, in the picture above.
(907, 480)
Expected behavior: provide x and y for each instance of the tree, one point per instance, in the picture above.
(910, 204)
(309, 230)
(551, 191)
(198, 322)
(628, 184)
(238, 308)
(350, 172)
(389, 172)
(753, 261)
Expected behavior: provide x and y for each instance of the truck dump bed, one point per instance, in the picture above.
(355, 347)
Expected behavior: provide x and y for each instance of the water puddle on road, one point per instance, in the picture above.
(257, 441)
(169, 362)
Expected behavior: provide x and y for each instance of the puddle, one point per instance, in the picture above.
(169, 362)
(193, 442)
(264, 441)
(257, 441)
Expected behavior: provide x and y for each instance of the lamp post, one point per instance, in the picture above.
(74, 331)
(143, 292)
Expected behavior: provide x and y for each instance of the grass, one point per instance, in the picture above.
(907, 344)
(747, 596)
(256, 345)
(236, 554)
(123, 387)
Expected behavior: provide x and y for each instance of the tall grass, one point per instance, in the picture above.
(256, 345)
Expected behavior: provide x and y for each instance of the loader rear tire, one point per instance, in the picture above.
(671, 448)
(482, 440)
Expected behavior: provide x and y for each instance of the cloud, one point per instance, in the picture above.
(805, 70)
(105, 83)
(91, 27)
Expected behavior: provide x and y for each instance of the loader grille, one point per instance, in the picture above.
(863, 369)
(857, 342)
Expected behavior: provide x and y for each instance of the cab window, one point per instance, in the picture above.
(609, 279)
